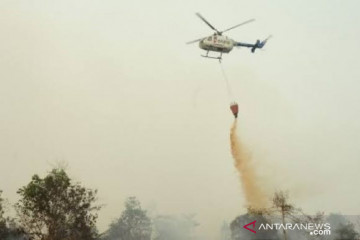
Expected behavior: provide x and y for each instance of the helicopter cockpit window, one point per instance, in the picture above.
(209, 38)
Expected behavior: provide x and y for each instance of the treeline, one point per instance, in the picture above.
(56, 208)
(282, 213)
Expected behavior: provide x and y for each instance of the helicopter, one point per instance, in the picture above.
(222, 44)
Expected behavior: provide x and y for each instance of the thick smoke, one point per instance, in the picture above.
(254, 195)
(174, 228)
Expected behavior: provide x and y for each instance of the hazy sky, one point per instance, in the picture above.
(111, 88)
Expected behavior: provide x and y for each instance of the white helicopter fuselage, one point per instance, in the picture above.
(217, 43)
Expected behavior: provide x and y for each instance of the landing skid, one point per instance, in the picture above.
(207, 56)
(212, 57)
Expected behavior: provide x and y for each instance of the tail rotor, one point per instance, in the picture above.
(260, 44)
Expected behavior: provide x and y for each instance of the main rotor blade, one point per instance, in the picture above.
(211, 26)
(248, 21)
(197, 40)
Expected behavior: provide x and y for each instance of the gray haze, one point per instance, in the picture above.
(110, 88)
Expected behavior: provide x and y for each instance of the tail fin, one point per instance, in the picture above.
(259, 44)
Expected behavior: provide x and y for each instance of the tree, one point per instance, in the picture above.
(133, 224)
(282, 206)
(341, 227)
(8, 228)
(3, 227)
(346, 232)
(264, 216)
(54, 208)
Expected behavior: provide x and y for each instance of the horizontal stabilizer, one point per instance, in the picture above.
(258, 44)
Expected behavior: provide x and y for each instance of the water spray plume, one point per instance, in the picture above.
(254, 195)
